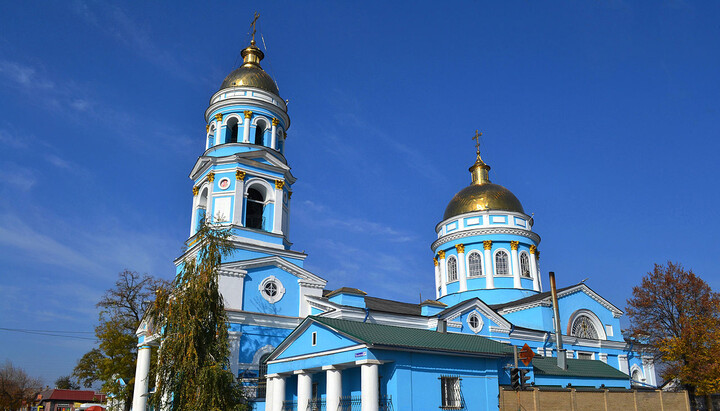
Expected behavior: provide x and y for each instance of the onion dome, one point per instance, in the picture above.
(482, 195)
(250, 74)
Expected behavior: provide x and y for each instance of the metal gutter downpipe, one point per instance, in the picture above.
(561, 356)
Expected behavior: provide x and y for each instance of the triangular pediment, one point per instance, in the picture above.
(475, 304)
(545, 300)
(240, 267)
(259, 159)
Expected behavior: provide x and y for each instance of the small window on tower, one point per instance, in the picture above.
(260, 133)
(452, 274)
(474, 265)
(501, 263)
(232, 130)
(524, 265)
(255, 207)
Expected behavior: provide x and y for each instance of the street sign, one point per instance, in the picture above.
(526, 355)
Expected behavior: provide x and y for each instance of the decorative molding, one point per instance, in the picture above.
(460, 248)
(211, 176)
(441, 254)
(196, 190)
(275, 122)
(514, 245)
(307, 284)
(248, 113)
(435, 261)
(218, 117)
(279, 184)
(617, 313)
(232, 273)
(533, 249)
(487, 245)
(484, 231)
(207, 128)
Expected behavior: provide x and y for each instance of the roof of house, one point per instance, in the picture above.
(71, 395)
(390, 306)
(392, 336)
(576, 368)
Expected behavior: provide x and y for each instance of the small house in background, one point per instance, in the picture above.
(67, 400)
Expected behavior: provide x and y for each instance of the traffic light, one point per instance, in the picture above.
(515, 379)
(519, 378)
(523, 378)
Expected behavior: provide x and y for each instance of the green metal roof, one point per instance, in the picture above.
(577, 368)
(388, 335)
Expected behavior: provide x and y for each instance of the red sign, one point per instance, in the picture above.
(526, 355)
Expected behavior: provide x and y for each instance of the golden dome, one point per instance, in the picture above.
(482, 195)
(250, 74)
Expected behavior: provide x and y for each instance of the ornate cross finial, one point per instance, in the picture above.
(252, 25)
(477, 142)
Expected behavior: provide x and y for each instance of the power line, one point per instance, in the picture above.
(50, 333)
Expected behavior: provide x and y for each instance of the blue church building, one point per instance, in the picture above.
(297, 345)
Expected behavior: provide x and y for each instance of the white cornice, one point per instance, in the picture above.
(484, 309)
(262, 320)
(279, 262)
(484, 231)
(547, 301)
(259, 98)
(481, 213)
(249, 245)
(247, 158)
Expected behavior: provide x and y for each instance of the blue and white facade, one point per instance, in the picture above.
(296, 344)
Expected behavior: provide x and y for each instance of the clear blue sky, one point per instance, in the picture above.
(601, 116)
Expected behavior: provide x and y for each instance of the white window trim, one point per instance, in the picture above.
(477, 329)
(599, 326)
(529, 276)
(280, 289)
(494, 261)
(447, 269)
(482, 264)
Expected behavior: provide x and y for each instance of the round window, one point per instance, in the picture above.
(271, 289)
(224, 183)
(473, 321)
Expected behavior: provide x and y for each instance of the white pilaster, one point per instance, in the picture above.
(234, 343)
(278, 393)
(462, 271)
(277, 218)
(246, 126)
(369, 387)
(649, 371)
(489, 272)
(623, 362)
(218, 130)
(193, 217)
(437, 278)
(515, 264)
(142, 368)
(603, 357)
(304, 390)
(443, 277)
(333, 390)
(273, 134)
(534, 269)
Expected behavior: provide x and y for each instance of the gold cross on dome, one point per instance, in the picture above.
(477, 142)
(252, 25)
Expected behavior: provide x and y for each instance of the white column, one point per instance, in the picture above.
(207, 136)
(534, 269)
(462, 271)
(489, 274)
(239, 197)
(277, 218)
(333, 377)
(234, 343)
(193, 217)
(142, 368)
(515, 264)
(210, 206)
(269, 393)
(218, 129)
(649, 370)
(304, 390)
(278, 393)
(369, 387)
(246, 126)
(443, 278)
(437, 278)
(603, 357)
(273, 133)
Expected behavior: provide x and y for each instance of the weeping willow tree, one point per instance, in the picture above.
(193, 371)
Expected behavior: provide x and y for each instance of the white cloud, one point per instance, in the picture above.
(20, 177)
(24, 76)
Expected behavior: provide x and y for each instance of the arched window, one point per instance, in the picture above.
(475, 265)
(583, 327)
(262, 375)
(232, 131)
(260, 133)
(201, 209)
(501, 263)
(254, 209)
(524, 265)
(211, 136)
(636, 375)
(452, 269)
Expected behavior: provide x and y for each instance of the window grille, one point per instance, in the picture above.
(262, 376)
(452, 398)
(501, 263)
(452, 269)
(583, 327)
(524, 265)
(475, 265)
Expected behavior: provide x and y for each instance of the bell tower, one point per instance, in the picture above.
(243, 179)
